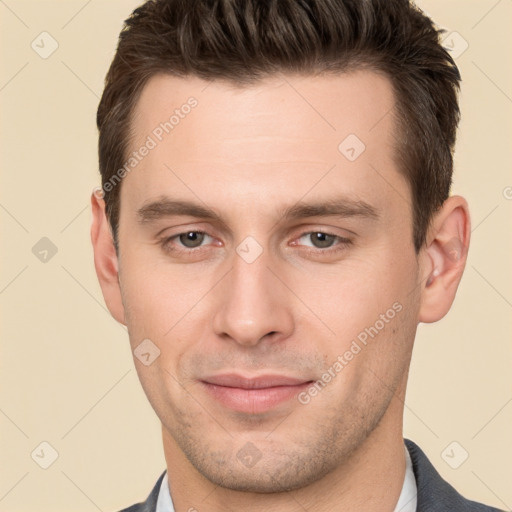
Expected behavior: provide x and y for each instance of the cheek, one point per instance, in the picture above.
(372, 348)
(154, 290)
(155, 300)
(352, 295)
(167, 304)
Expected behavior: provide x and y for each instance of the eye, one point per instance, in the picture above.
(192, 239)
(322, 240)
(188, 240)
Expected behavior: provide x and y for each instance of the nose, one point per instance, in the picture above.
(253, 305)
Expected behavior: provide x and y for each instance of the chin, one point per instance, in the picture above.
(266, 479)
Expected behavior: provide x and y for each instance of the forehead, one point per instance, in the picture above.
(281, 134)
(352, 102)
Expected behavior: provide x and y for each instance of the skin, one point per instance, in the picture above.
(248, 154)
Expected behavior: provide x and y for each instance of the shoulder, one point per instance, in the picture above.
(434, 493)
(150, 504)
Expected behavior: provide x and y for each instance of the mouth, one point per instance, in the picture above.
(253, 395)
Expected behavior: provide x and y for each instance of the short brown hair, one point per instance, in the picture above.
(243, 41)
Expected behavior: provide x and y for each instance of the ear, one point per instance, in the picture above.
(444, 258)
(105, 257)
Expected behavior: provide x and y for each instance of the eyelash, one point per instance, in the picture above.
(342, 244)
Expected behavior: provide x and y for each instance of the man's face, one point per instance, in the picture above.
(252, 306)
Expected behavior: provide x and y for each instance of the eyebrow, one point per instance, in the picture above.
(337, 207)
(166, 207)
(333, 207)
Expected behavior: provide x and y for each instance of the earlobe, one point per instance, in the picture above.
(105, 258)
(444, 258)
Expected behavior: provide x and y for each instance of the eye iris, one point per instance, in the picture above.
(191, 239)
(322, 240)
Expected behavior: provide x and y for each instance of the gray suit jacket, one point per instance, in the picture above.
(434, 494)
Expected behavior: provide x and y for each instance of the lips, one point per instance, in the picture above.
(253, 395)
(264, 381)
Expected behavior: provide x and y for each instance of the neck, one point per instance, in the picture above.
(371, 480)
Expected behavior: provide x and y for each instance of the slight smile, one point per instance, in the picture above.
(254, 395)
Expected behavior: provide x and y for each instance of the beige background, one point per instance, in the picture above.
(66, 372)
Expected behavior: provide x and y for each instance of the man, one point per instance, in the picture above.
(273, 224)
